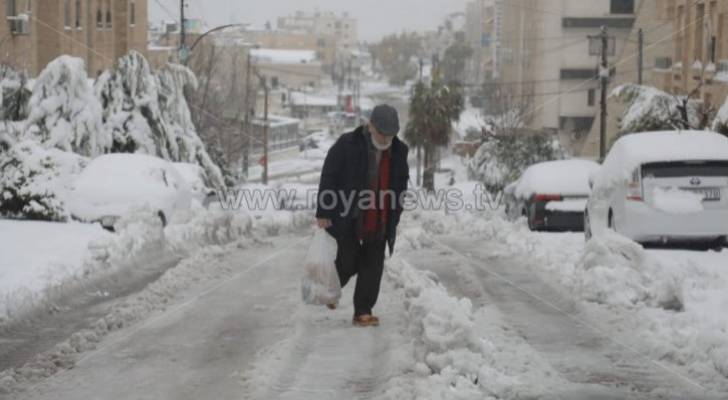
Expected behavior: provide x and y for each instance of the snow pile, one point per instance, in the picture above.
(564, 177)
(37, 256)
(676, 201)
(650, 109)
(616, 271)
(459, 352)
(64, 112)
(35, 181)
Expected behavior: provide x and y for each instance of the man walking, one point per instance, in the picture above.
(360, 203)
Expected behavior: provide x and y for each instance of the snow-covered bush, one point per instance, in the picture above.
(35, 180)
(501, 159)
(14, 94)
(650, 109)
(720, 123)
(64, 112)
(145, 112)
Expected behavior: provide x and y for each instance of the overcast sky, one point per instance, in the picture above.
(376, 17)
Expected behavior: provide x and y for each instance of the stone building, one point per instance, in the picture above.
(99, 31)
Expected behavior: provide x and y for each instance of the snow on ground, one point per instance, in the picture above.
(40, 255)
(665, 302)
(197, 238)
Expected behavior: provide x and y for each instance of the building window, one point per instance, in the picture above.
(591, 97)
(621, 6)
(11, 9)
(699, 29)
(99, 16)
(67, 13)
(108, 13)
(132, 13)
(78, 14)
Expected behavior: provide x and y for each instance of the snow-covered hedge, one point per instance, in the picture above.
(501, 159)
(34, 181)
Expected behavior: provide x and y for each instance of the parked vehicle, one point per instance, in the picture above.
(663, 187)
(551, 195)
(113, 185)
(199, 183)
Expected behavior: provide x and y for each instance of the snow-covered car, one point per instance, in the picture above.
(113, 185)
(551, 195)
(662, 187)
(198, 182)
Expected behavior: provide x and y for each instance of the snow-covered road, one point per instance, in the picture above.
(581, 348)
(464, 317)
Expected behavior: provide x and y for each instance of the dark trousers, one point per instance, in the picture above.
(365, 259)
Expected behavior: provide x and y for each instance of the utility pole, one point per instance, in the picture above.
(182, 33)
(604, 77)
(419, 148)
(246, 115)
(641, 52)
(264, 178)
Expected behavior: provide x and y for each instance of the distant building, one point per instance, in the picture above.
(292, 69)
(334, 33)
(479, 34)
(544, 59)
(100, 31)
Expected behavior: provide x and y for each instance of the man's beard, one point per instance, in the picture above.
(381, 147)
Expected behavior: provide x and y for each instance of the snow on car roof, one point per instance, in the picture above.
(641, 148)
(564, 177)
(114, 183)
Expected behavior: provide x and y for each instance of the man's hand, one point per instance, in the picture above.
(324, 223)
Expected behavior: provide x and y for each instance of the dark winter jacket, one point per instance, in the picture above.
(345, 172)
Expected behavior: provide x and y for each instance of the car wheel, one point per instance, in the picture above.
(162, 218)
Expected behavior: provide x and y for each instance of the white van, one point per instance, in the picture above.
(662, 187)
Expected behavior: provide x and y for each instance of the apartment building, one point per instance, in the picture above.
(100, 31)
(545, 60)
(657, 53)
(334, 33)
(700, 49)
(479, 33)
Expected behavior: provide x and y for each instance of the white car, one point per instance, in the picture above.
(659, 187)
(113, 185)
(551, 195)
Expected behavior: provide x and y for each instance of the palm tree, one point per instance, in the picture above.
(433, 109)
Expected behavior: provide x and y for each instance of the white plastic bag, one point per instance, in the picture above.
(321, 285)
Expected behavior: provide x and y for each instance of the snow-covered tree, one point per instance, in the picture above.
(146, 112)
(501, 159)
(64, 113)
(650, 109)
(14, 94)
(34, 180)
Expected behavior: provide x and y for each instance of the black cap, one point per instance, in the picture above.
(385, 119)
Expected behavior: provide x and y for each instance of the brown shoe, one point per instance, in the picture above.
(365, 320)
(332, 306)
